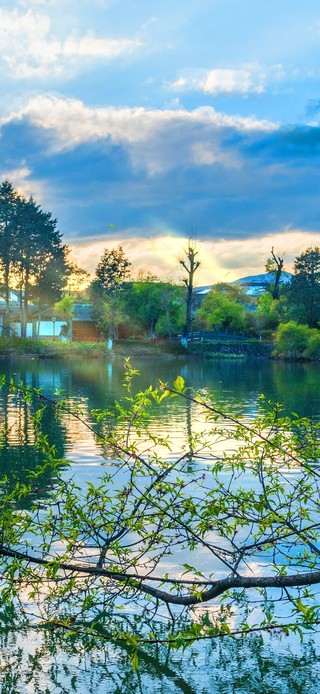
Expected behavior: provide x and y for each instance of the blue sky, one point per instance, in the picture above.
(166, 118)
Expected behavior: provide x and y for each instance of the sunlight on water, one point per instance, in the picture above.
(233, 386)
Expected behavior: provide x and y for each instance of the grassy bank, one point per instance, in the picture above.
(135, 348)
(47, 349)
(54, 349)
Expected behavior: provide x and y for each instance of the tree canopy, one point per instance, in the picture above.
(223, 308)
(304, 297)
(238, 509)
(32, 256)
(112, 270)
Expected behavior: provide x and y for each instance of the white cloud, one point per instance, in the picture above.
(29, 49)
(153, 138)
(22, 182)
(247, 79)
(243, 81)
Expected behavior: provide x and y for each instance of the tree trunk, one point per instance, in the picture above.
(6, 324)
(276, 286)
(69, 330)
(25, 307)
(190, 264)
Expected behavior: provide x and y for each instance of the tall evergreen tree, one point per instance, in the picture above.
(112, 270)
(32, 256)
(40, 259)
(304, 295)
(10, 211)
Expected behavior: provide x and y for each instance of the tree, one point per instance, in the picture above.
(223, 308)
(41, 258)
(111, 312)
(64, 309)
(172, 317)
(32, 256)
(296, 341)
(190, 264)
(291, 339)
(10, 210)
(77, 281)
(246, 520)
(274, 264)
(154, 307)
(270, 312)
(112, 270)
(304, 295)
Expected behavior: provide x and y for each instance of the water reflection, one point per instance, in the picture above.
(234, 385)
(38, 662)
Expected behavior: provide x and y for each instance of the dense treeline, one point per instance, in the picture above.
(34, 261)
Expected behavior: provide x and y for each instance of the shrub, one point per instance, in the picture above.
(313, 348)
(291, 340)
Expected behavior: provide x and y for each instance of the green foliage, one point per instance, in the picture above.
(32, 257)
(95, 560)
(223, 308)
(111, 313)
(269, 312)
(304, 296)
(296, 341)
(313, 347)
(291, 339)
(154, 307)
(64, 308)
(112, 270)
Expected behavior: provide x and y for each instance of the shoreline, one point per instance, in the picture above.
(216, 349)
(250, 348)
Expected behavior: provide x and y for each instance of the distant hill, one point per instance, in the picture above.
(256, 284)
(253, 285)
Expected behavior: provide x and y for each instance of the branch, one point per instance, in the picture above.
(217, 587)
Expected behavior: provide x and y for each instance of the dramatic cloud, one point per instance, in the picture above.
(154, 138)
(152, 171)
(107, 117)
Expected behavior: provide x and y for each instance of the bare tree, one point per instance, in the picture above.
(275, 264)
(190, 264)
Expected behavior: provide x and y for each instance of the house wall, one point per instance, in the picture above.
(85, 331)
(46, 329)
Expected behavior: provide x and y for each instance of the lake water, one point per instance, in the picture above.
(92, 384)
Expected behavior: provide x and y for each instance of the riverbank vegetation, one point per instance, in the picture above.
(236, 511)
(35, 263)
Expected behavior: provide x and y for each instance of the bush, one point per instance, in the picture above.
(313, 348)
(291, 340)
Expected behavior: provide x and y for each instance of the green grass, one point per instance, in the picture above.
(42, 348)
(124, 348)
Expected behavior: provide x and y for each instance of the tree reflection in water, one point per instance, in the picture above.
(53, 663)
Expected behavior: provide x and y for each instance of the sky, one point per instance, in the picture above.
(142, 123)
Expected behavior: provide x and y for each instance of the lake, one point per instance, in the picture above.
(234, 384)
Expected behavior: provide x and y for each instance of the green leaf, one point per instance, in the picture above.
(135, 662)
(179, 384)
